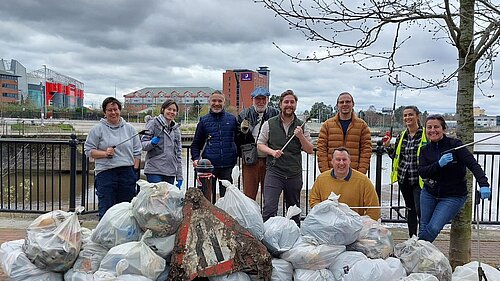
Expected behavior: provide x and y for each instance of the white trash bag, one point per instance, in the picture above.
(376, 270)
(87, 263)
(53, 240)
(344, 262)
(375, 241)
(133, 258)
(332, 223)
(117, 226)
(236, 276)
(107, 276)
(162, 246)
(419, 256)
(419, 277)
(243, 209)
(18, 267)
(312, 275)
(282, 270)
(468, 272)
(158, 207)
(307, 253)
(281, 233)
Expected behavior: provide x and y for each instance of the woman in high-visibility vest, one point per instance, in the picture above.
(405, 164)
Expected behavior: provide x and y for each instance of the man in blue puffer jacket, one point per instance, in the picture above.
(214, 140)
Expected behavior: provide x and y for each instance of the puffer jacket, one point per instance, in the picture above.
(357, 141)
(218, 130)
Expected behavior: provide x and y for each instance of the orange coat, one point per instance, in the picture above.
(358, 142)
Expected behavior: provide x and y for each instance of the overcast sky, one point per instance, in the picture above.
(131, 45)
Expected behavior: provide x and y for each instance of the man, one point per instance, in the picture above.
(250, 123)
(282, 139)
(214, 139)
(345, 129)
(355, 188)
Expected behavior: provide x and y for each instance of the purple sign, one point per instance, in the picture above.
(246, 76)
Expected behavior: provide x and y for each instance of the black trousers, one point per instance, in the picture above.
(411, 195)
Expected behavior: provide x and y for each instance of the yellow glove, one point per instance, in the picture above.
(245, 126)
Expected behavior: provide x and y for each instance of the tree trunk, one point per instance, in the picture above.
(460, 235)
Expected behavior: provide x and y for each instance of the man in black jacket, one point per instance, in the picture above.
(250, 121)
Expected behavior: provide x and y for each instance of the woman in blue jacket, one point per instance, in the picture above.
(443, 172)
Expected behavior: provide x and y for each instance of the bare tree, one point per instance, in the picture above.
(356, 31)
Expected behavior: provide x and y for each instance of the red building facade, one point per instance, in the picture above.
(238, 84)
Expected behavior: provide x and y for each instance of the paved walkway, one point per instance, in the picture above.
(15, 228)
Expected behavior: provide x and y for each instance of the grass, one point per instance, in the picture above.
(37, 128)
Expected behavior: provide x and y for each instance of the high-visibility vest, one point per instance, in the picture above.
(395, 161)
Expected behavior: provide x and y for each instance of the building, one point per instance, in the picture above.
(478, 111)
(485, 121)
(60, 91)
(9, 87)
(40, 87)
(238, 84)
(13, 85)
(147, 98)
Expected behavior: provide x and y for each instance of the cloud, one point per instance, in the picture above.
(127, 45)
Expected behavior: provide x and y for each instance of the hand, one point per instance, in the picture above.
(110, 152)
(179, 184)
(386, 140)
(137, 172)
(155, 140)
(485, 192)
(245, 126)
(445, 159)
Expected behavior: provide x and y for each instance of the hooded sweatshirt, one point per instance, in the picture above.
(165, 158)
(105, 135)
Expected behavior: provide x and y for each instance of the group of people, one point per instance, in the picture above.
(429, 166)
(116, 149)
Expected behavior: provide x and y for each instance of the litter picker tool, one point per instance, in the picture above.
(395, 208)
(396, 84)
(143, 132)
(470, 143)
(480, 271)
(290, 139)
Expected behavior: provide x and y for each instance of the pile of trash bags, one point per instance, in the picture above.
(134, 241)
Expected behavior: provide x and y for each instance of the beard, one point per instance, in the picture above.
(260, 109)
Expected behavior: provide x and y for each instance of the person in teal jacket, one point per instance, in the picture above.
(405, 164)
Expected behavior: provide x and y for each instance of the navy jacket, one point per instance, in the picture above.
(218, 130)
(449, 180)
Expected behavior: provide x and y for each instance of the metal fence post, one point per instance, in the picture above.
(72, 172)
(378, 168)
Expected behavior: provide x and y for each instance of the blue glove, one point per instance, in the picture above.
(179, 184)
(485, 192)
(445, 159)
(155, 140)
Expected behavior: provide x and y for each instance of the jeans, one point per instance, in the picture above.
(436, 212)
(274, 184)
(411, 196)
(158, 178)
(114, 186)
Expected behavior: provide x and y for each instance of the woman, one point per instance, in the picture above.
(405, 164)
(164, 148)
(445, 185)
(116, 148)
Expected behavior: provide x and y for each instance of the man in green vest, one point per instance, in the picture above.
(282, 138)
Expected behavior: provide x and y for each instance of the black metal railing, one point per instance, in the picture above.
(41, 175)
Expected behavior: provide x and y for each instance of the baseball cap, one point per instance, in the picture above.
(259, 91)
